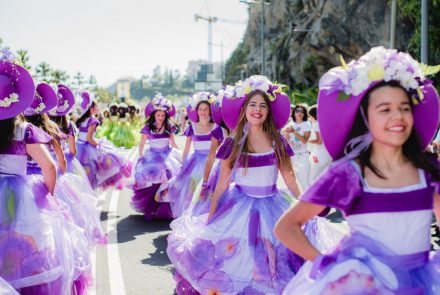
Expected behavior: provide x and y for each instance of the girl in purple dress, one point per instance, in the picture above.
(159, 163)
(36, 240)
(386, 185)
(105, 165)
(235, 251)
(182, 187)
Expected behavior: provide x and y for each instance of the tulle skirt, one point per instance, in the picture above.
(152, 173)
(235, 252)
(104, 164)
(123, 135)
(360, 265)
(182, 187)
(41, 248)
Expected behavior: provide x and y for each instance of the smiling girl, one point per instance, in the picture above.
(385, 184)
(235, 251)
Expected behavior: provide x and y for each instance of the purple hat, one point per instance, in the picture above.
(160, 103)
(86, 101)
(342, 90)
(16, 90)
(280, 103)
(216, 105)
(45, 99)
(191, 108)
(66, 101)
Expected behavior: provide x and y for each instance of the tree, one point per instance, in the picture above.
(43, 72)
(78, 80)
(23, 58)
(92, 83)
(103, 95)
(59, 76)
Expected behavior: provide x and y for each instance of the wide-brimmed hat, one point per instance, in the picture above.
(279, 101)
(194, 100)
(216, 104)
(45, 99)
(343, 88)
(86, 100)
(16, 90)
(66, 101)
(160, 103)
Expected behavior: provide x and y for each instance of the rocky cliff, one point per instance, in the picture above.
(303, 38)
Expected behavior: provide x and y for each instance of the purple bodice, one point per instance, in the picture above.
(14, 160)
(84, 127)
(157, 141)
(202, 142)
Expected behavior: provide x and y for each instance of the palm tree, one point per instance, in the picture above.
(43, 72)
(23, 58)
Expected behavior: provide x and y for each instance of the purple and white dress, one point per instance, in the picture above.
(236, 252)
(152, 172)
(201, 204)
(388, 248)
(36, 239)
(104, 164)
(182, 186)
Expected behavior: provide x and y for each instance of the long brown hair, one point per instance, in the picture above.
(269, 128)
(42, 121)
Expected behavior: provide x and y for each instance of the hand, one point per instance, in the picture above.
(205, 191)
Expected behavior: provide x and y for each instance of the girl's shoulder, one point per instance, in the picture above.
(34, 135)
(146, 130)
(225, 149)
(189, 131)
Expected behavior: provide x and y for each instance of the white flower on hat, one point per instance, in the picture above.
(5, 103)
(40, 107)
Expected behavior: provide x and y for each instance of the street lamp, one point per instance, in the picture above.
(210, 20)
(424, 31)
(263, 52)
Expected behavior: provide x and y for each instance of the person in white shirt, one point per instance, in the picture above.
(298, 133)
(320, 158)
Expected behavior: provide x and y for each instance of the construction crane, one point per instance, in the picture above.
(210, 21)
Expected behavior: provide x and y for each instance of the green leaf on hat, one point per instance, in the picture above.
(429, 70)
(342, 96)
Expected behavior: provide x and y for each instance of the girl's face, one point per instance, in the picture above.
(204, 112)
(299, 114)
(94, 109)
(159, 116)
(390, 116)
(257, 110)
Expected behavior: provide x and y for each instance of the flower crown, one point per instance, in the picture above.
(201, 96)
(257, 82)
(161, 103)
(227, 91)
(379, 64)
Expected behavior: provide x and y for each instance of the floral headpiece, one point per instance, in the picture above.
(200, 96)
(160, 103)
(379, 64)
(258, 82)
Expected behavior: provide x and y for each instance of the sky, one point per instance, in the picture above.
(116, 38)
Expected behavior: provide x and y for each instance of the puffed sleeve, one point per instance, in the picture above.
(33, 135)
(337, 187)
(92, 121)
(287, 146)
(146, 130)
(225, 149)
(189, 131)
(173, 129)
(217, 133)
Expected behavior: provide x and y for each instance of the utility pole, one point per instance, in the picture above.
(262, 28)
(424, 32)
(393, 24)
(210, 21)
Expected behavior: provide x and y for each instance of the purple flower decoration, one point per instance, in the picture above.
(216, 282)
(199, 256)
(250, 291)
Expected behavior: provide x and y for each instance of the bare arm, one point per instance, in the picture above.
(222, 186)
(291, 181)
(318, 139)
(90, 137)
(59, 154)
(187, 147)
(303, 138)
(72, 144)
(142, 144)
(210, 160)
(173, 142)
(41, 155)
(288, 229)
(437, 208)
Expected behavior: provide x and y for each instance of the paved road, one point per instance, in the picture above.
(135, 261)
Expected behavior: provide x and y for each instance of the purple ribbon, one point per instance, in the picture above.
(265, 191)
